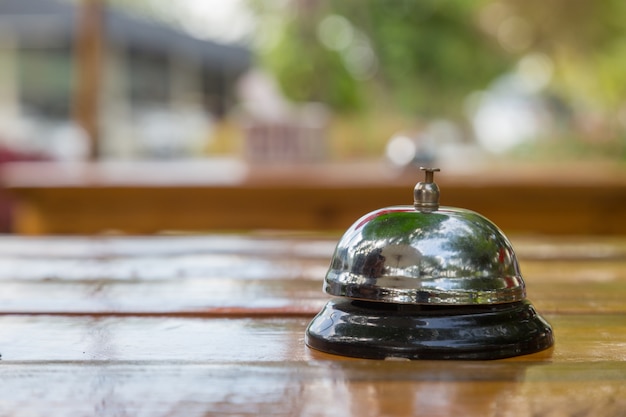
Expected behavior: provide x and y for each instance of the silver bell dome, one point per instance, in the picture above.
(425, 254)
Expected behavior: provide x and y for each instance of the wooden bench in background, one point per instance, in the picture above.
(228, 195)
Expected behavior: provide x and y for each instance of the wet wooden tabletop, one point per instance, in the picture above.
(208, 325)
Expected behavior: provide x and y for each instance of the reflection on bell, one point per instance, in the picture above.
(426, 282)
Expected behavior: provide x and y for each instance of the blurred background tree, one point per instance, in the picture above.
(422, 56)
(406, 61)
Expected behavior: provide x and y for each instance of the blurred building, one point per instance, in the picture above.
(160, 88)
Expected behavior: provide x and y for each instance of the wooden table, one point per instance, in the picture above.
(212, 325)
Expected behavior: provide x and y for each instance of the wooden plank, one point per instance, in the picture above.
(84, 366)
(316, 389)
(178, 275)
(24, 338)
(300, 245)
(232, 276)
(214, 325)
(569, 248)
(574, 210)
(215, 297)
(309, 245)
(82, 199)
(235, 297)
(297, 243)
(251, 298)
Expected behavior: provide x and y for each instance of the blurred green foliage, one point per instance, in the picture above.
(587, 43)
(430, 55)
(308, 72)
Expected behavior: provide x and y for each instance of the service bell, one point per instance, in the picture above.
(426, 282)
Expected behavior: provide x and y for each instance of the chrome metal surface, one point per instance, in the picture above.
(426, 194)
(448, 256)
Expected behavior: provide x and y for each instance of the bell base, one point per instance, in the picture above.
(380, 330)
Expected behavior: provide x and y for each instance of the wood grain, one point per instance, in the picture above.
(212, 325)
(81, 198)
